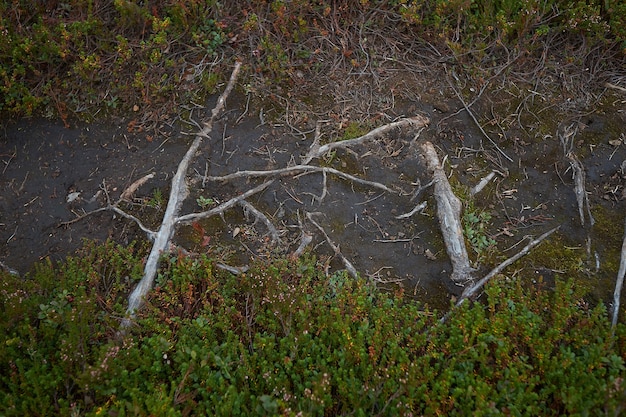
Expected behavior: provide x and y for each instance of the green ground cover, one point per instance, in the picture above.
(84, 58)
(285, 339)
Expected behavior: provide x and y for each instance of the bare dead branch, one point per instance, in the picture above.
(304, 169)
(470, 291)
(619, 283)
(418, 209)
(416, 122)
(349, 267)
(482, 183)
(305, 240)
(192, 217)
(449, 215)
(579, 189)
(249, 208)
(129, 192)
(178, 194)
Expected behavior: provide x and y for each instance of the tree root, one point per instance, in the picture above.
(449, 215)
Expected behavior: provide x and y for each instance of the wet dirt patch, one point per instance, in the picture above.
(45, 165)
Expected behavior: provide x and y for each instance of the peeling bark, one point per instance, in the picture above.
(178, 194)
(449, 215)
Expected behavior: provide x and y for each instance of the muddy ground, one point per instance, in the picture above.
(45, 165)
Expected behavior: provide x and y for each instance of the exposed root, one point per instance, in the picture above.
(178, 194)
(619, 283)
(349, 267)
(250, 209)
(449, 215)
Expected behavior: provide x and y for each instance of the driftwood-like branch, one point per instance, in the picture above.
(129, 192)
(470, 291)
(305, 240)
(349, 267)
(192, 217)
(178, 194)
(418, 209)
(415, 122)
(579, 189)
(482, 183)
(619, 283)
(303, 169)
(249, 208)
(449, 215)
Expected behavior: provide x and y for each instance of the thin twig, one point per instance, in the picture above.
(467, 109)
(618, 284)
(349, 267)
(470, 291)
(299, 168)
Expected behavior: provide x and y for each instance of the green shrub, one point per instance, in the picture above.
(284, 338)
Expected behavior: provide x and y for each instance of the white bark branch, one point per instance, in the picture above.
(192, 217)
(449, 215)
(619, 283)
(304, 169)
(416, 122)
(178, 194)
(249, 208)
(470, 291)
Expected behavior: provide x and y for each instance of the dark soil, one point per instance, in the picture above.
(44, 163)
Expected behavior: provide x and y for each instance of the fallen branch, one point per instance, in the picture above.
(482, 183)
(579, 189)
(349, 267)
(415, 122)
(178, 194)
(192, 217)
(470, 291)
(114, 207)
(129, 192)
(304, 169)
(449, 215)
(619, 282)
(305, 240)
(418, 209)
(249, 208)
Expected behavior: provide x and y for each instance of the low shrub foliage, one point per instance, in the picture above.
(285, 339)
(83, 57)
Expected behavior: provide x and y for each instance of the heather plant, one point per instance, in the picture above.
(285, 338)
(78, 58)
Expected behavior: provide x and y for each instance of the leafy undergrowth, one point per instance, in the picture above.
(84, 58)
(284, 339)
